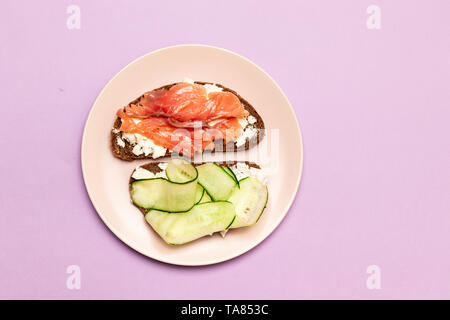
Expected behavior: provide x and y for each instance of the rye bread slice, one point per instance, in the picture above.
(126, 152)
(154, 168)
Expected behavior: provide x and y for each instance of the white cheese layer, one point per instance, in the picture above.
(144, 145)
(141, 173)
(241, 170)
(243, 122)
(163, 165)
(249, 133)
(212, 88)
(120, 142)
(248, 130)
(251, 119)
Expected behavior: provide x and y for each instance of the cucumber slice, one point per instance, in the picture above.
(179, 170)
(161, 194)
(231, 173)
(176, 195)
(216, 181)
(205, 198)
(249, 201)
(203, 219)
(199, 194)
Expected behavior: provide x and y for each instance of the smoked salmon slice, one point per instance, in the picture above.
(185, 118)
(186, 141)
(186, 102)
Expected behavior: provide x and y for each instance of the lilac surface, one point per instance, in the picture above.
(374, 110)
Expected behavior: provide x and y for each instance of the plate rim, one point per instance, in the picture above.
(210, 261)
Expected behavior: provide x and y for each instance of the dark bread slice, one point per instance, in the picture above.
(126, 153)
(154, 168)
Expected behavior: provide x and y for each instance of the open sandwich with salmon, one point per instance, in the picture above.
(187, 118)
(183, 201)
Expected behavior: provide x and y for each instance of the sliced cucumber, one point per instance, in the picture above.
(205, 198)
(203, 219)
(249, 201)
(161, 194)
(199, 194)
(179, 170)
(216, 181)
(231, 173)
(176, 195)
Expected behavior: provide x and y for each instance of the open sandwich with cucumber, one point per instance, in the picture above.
(183, 201)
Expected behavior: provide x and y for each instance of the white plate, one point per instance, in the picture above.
(106, 177)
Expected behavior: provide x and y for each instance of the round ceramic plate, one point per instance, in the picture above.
(280, 154)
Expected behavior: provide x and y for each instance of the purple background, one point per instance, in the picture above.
(374, 110)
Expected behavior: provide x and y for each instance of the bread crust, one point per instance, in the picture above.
(126, 153)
